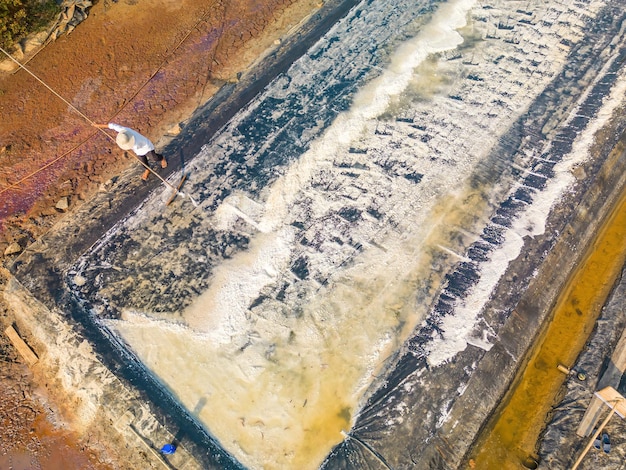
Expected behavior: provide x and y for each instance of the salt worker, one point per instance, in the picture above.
(129, 139)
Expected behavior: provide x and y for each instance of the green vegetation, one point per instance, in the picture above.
(18, 18)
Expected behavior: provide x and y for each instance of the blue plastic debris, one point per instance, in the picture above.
(168, 449)
(606, 443)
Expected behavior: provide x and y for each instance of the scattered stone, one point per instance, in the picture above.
(47, 212)
(108, 184)
(63, 205)
(12, 249)
(79, 280)
(579, 173)
(18, 53)
(8, 65)
(34, 41)
(174, 130)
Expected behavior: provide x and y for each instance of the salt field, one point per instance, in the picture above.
(359, 211)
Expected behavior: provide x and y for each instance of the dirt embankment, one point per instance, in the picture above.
(145, 64)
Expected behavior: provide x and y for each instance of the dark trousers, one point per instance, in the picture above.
(153, 155)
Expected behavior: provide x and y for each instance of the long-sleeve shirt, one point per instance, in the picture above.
(142, 143)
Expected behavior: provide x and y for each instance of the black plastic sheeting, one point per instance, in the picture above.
(560, 445)
(400, 426)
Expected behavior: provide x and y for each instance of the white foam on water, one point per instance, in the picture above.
(221, 311)
(260, 372)
(440, 34)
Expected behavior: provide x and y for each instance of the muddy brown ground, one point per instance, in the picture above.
(146, 64)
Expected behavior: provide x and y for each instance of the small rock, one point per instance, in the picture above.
(63, 205)
(579, 173)
(17, 53)
(34, 41)
(174, 130)
(79, 280)
(108, 184)
(12, 249)
(7, 66)
(48, 211)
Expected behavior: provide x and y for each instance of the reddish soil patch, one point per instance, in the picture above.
(146, 64)
(28, 438)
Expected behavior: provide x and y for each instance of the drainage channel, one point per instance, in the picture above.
(511, 436)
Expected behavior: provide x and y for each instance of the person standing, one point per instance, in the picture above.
(129, 139)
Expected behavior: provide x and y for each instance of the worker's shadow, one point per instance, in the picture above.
(181, 161)
(195, 412)
(176, 161)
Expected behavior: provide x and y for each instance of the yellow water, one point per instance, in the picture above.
(513, 435)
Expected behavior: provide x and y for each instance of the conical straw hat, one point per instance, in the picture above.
(125, 140)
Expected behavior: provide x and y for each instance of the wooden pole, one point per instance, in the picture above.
(24, 349)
